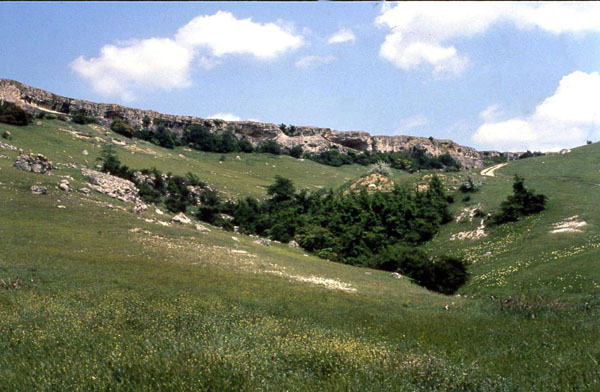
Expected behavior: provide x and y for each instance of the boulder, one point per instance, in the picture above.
(200, 227)
(293, 244)
(181, 218)
(36, 163)
(85, 191)
(38, 190)
(64, 185)
(396, 275)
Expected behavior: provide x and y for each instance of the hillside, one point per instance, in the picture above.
(312, 139)
(99, 298)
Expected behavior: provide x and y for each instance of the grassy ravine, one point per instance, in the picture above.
(100, 299)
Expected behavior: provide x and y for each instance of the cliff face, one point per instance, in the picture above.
(312, 139)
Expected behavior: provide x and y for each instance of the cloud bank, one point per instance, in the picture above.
(420, 32)
(567, 118)
(165, 63)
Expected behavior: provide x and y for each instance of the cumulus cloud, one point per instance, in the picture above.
(565, 119)
(412, 122)
(314, 61)
(166, 63)
(225, 116)
(421, 31)
(343, 35)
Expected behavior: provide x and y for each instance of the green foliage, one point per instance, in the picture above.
(350, 228)
(382, 168)
(164, 138)
(13, 115)
(245, 146)
(269, 147)
(296, 151)
(468, 186)
(522, 202)
(529, 154)
(122, 128)
(444, 275)
(81, 118)
(6, 135)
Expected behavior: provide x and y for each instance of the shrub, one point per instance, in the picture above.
(521, 203)
(81, 118)
(296, 151)
(468, 186)
(51, 116)
(382, 168)
(270, 147)
(61, 117)
(6, 135)
(245, 146)
(164, 137)
(122, 128)
(13, 115)
(444, 275)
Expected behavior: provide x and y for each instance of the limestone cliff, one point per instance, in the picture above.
(312, 139)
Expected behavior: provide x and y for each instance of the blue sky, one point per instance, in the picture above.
(506, 76)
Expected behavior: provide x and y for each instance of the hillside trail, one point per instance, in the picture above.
(490, 170)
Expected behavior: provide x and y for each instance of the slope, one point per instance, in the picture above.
(99, 299)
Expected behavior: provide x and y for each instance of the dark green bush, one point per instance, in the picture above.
(13, 115)
(122, 128)
(270, 147)
(81, 118)
(522, 202)
(468, 186)
(296, 151)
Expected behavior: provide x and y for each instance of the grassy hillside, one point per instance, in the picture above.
(99, 299)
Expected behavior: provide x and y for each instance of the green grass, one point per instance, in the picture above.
(108, 301)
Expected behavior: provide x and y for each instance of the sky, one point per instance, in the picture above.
(496, 76)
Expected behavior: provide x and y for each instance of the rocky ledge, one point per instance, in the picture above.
(313, 139)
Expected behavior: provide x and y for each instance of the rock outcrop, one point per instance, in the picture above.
(112, 186)
(312, 139)
(36, 163)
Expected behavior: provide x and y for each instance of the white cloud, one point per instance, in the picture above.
(566, 119)
(420, 31)
(223, 34)
(343, 35)
(225, 116)
(314, 61)
(151, 63)
(491, 113)
(412, 122)
(165, 63)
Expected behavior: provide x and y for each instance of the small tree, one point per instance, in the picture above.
(522, 202)
(14, 115)
(468, 186)
(382, 168)
(296, 151)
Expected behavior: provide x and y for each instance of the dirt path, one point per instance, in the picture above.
(490, 170)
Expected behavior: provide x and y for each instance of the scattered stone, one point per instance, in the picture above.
(85, 152)
(61, 206)
(158, 211)
(38, 190)
(236, 229)
(36, 163)
(85, 191)
(139, 208)
(293, 244)
(200, 227)
(163, 223)
(64, 185)
(7, 147)
(70, 165)
(396, 275)
(141, 178)
(181, 218)
(238, 158)
(112, 186)
(110, 207)
(235, 239)
(263, 241)
(368, 273)
(569, 225)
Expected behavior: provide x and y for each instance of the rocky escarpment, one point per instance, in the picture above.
(312, 139)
